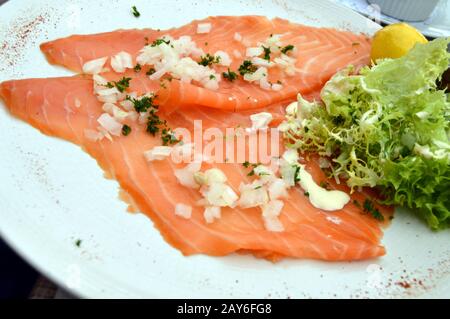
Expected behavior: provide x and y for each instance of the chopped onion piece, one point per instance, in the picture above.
(115, 111)
(219, 194)
(224, 58)
(229, 196)
(264, 84)
(288, 173)
(204, 28)
(200, 178)
(287, 64)
(277, 189)
(277, 87)
(77, 103)
(158, 153)
(273, 224)
(133, 116)
(186, 176)
(262, 62)
(183, 210)
(252, 52)
(174, 59)
(291, 156)
(127, 105)
(215, 175)
(264, 173)
(260, 73)
(94, 66)
(121, 61)
(260, 121)
(237, 37)
(110, 124)
(108, 108)
(100, 80)
(110, 95)
(143, 116)
(252, 195)
(105, 133)
(109, 91)
(272, 208)
(211, 85)
(211, 213)
(119, 114)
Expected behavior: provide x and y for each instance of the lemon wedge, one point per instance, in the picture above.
(394, 41)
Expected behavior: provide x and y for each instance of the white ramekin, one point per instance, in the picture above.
(407, 10)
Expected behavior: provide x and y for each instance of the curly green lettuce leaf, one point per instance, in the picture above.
(386, 127)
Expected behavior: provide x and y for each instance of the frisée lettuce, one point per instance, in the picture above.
(386, 127)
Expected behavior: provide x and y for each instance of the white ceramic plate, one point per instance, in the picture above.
(52, 193)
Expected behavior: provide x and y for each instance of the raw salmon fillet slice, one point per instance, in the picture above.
(320, 52)
(65, 107)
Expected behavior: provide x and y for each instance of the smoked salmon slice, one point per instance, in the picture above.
(320, 52)
(51, 106)
(67, 107)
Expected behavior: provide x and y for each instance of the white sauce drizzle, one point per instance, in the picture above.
(320, 197)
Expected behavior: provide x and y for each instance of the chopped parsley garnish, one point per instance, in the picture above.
(143, 104)
(137, 67)
(287, 48)
(263, 174)
(258, 187)
(247, 67)
(78, 242)
(150, 71)
(266, 53)
(208, 59)
(370, 208)
(154, 123)
(160, 41)
(247, 164)
(168, 137)
(126, 130)
(135, 12)
(306, 194)
(121, 85)
(296, 175)
(230, 75)
(212, 77)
